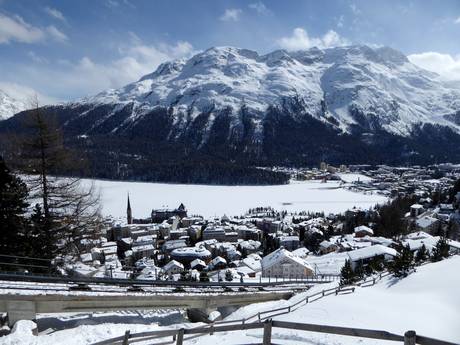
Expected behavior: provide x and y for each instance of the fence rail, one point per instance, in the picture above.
(409, 338)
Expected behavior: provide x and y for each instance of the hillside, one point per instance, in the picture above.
(426, 301)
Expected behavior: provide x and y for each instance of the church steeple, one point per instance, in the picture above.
(129, 213)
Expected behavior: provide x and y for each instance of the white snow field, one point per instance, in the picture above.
(427, 301)
(211, 201)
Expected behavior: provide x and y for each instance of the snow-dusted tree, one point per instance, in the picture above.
(441, 250)
(422, 254)
(70, 212)
(403, 262)
(228, 276)
(347, 276)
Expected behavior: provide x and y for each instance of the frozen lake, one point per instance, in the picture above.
(211, 201)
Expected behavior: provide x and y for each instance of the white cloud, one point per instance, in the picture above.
(231, 14)
(301, 40)
(457, 21)
(56, 34)
(16, 29)
(25, 94)
(87, 76)
(446, 65)
(55, 13)
(259, 7)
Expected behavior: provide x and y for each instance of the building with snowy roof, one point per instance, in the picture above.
(283, 264)
(362, 230)
(186, 255)
(364, 255)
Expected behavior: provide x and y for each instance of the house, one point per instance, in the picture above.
(416, 210)
(216, 233)
(283, 264)
(218, 263)
(289, 242)
(198, 264)
(173, 267)
(361, 231)
(301, 252)
(364, 255)
(142, 251)
(326, 247)
(427, 224)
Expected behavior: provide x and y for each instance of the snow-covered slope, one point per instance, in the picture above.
(426, 301)
(9, 106)
(354, 84)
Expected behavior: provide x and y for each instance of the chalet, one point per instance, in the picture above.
(173, 267)
(361, 231)
(289, 242)
(427, 224)
(416, 210)
(364, 255)
(198, 264)
(283, 264)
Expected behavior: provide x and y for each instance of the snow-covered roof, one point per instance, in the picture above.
(201, 252)
(364, 229)
(369, 252)
(425, 221)
(279, 255)
(197, 262)
(173, 263)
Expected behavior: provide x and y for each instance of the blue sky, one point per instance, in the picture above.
(67, 49)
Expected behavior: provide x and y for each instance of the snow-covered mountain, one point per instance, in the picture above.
(352, 104)
(354, 85)
(9, 106)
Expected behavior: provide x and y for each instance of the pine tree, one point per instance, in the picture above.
(403, 262)
(422, 254)
(13, 206)
(228, 276)
(441, 250)
(347, 276)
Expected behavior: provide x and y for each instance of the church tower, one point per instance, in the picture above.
(129, 213)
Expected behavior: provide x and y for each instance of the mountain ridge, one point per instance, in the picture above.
(226, 105)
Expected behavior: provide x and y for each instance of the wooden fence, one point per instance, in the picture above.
(264, 320)
(409, 337)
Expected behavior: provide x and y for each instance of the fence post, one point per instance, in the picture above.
(125, 339)
(323, 293)
(409, 338)
(306, 299)
(267, 332)
(258, 315)
(180, 336)
(211, 332)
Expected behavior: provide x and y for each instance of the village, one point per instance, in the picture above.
(265, 244)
